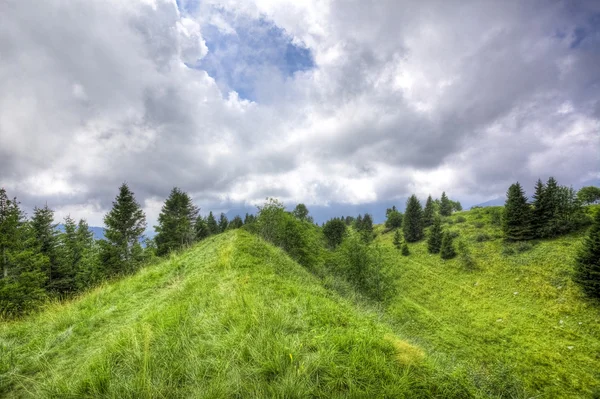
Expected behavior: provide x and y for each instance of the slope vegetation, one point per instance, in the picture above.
(231, 317)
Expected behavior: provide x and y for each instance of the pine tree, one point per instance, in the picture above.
(87, 268)
(445, 205)
(428, 212)
(587, 263)
(447, 250)
(517, 215)
(223, 222)
(63, 278)
(175, 222)
(405, 251)
(236, 223)
(541, 213)
(125, 223)
(211, 224)
(434, 241)
(412, 223)
(397, 239)
(366, 229)
(201, 229)
(45, 233)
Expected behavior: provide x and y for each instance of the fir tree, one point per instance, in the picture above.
(517, 215)
(125, 224)
(87, 269)
(176, 222)
(201, 228)
(447, 250)
(46, 235)
(223, 222)
(445, 205)
(412, 223)
(405, 251)
(211, 223)
(541, 214)
(428, 212)
(434, 240)
(397, 239)
(366, 228)
(236, 223)
(587, 263)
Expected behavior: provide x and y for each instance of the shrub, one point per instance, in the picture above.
(523, 246)
(454, 233)
(478, 225)
(465, 257)
(481, 237)
(507, 250)
(461, 219)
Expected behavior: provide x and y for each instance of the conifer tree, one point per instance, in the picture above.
(201, 228)
(397, 239)
(445, 205)
(236, 223)
(175, 222)
(223, 222)
(87, 268)
(541, 213)
(211, 224)
(434, 240)
(428, 212)
(46, 236)
(125, 224)
(412, 223)
(447, 250)
(517, 215)
(587, 263)
(366, 229)
(405, 251)
(63, 277)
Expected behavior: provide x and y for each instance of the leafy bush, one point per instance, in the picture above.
(461, 219)
(481, 237)
(523, 246)
(453, 234)
(465, 257)
(478, 225)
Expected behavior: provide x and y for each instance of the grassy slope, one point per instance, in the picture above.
(232, 317)
(517, 326)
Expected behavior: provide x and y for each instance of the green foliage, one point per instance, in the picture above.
(445, 205)
(364, 226)
(405, 251)
(413, 220)
(249, 219)
(587, 263)
(223, 222)
(434, 240)
(300, 212)
(211, 224)
(428, 212)
(236, 222)
(461, 219)
(334, 231)
(465, 257)
(397, 239)
(517, 215)
(496, 216)
(201, 227)
(589, 195)
(176, 223)
(447, 250)
(46, 237)
(482, 237)
(456, 206)
(124, 225)
(393, 218)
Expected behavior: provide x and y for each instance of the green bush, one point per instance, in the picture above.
(481, 237)
(461, 219)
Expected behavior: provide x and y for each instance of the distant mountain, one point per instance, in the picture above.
(493, 202)
(98, 231)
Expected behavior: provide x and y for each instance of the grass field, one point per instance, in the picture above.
(234, 317)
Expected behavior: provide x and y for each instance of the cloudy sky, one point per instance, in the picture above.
(318, 101)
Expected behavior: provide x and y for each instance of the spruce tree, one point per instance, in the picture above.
(63, 279)
(223, 222)
(397, 239)
(428, 212)
(405, 251)
(175, 223)
(434, 240)
(447, 250)
(87, 268)
(366, 229)
(412, 223)
(236, 223)
(211, 224)
(541, 213)
(124, 225)
(201, 228)
(445, 205)
(46, 236)
(516, 224)
(587, 263)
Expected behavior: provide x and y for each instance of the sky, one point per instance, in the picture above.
(334, 103)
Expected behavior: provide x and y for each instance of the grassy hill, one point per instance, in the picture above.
(232, 317)
(235, 317)
(514, 325)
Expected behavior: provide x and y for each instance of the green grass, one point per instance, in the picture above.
(516, 326)
(232, 317)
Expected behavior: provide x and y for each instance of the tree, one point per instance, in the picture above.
(445, 205)
(236, 223)
(405, 251)
(366, 229)
(45, 234)
(249, 219)
(201, 228)
(587, 263)
(176, 222)
(87, 269)
(517, 215)
(300, 212)
(428, 212)
(541, 213)
(394, 219)
(223, 222)
(434, 241)
(447, 250)
(456, 206)
(211, 224)
(412, 223)
(334, 231)
(589, 195)
(397, 239)
(125, 223)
